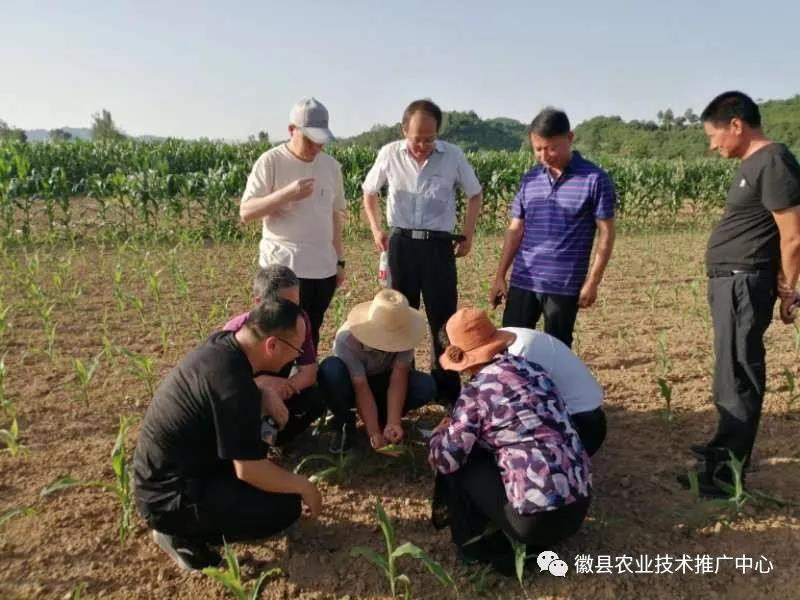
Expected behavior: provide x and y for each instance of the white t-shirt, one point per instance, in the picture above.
(300, 236)
(576, 384)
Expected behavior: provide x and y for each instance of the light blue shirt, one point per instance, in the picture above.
(421, 196)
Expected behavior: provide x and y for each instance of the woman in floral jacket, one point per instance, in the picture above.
(508, 459)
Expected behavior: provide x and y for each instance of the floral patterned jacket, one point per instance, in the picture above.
(513, 409)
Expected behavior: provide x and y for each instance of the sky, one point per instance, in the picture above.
(230, 69)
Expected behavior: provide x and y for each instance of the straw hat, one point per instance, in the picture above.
(387, 323)
(474, 340)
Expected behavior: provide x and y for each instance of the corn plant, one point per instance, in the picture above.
(388, 564)
(231, 577)
(337, 469)
(792, 393)
(154, 285)
(119, 292)
(6, 406)
(10, 437)
(138, 304)
(11, 513)
(4, 312)
(84, 374)
(77, 592)
(664, 368)
(120, 487)
(143, 368)
(520, 556)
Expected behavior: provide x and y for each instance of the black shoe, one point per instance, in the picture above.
(189, 555)
(705, 487)
(699, 451)
(342, 439)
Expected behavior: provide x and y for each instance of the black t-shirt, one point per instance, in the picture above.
(747, 237)
(206, 413)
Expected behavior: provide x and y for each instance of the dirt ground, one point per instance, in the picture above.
(651, 319)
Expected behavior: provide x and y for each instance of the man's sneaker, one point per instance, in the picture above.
(342, 439)
(706, 487)
(189, 555)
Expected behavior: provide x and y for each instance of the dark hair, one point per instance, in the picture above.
(732, 105)
(423, 106)
(274, 316)
(550, 122)
(272, 279)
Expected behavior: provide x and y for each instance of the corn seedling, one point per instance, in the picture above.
(11, 513)
(231, 577)
(6, 406)
(119, 292)
(665, 389)
(4, 312)
(337, 469)
(154, 285)
(143, 368)
(121, 486)
(137, 304)
(792, 393)
(388, 564)
(10, 437)
(520, 556)
(84, 374)
(77, 592)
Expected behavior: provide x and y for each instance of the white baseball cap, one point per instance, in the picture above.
(311, 117)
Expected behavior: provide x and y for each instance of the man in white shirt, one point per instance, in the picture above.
(422, 174)
(297, 192)
(576, 385)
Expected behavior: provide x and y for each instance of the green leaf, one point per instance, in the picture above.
(64, 483)
(314, 457)
(372, 556)
(9, 514)
(434, 567)
(386, 526)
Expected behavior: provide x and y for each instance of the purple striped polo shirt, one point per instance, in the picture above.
(559, 216)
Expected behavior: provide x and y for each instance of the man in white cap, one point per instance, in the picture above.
(297, 192)
(370, 371)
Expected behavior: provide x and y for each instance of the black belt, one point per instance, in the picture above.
(716, 272)
(428, 234)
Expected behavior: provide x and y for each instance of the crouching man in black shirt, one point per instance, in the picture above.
(200, 470)
(753, 259)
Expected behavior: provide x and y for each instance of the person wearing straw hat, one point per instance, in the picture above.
(370, 371)
(508, 457)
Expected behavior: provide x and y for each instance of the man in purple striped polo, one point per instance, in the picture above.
(560, 204)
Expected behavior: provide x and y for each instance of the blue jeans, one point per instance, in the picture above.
(337, 389)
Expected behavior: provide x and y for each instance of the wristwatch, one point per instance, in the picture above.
(340, 263)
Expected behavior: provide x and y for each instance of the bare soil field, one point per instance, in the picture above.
(158, 301)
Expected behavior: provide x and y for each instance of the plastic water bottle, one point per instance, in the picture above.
(384, 275)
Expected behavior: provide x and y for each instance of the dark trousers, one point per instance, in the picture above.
(334, 380)
(591, 428)
(315, 297)
(223, 507)
(476, 501)
(741, 311)
(523, 309)
(428, 267)
(304, 408)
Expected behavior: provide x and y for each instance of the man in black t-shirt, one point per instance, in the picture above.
(200, 468)
(753, 258)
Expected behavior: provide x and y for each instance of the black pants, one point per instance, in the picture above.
(523, 309)
(591, 428)
(476, 501)
(428, 267)
(304, 408)
(222, 507)
(315, 297)
(741, 311)
(334, 380)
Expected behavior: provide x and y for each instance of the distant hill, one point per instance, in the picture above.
(466, 129)
(80, 133)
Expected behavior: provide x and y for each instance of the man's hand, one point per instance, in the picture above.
(463, 247)
(789, 307)
(300, 189)
(393, 433)
(498, 291)
(588, 295)
(279, 385)
(312, 499)
(275, 407)
(380, 239)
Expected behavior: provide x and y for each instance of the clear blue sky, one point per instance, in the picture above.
(229, 69)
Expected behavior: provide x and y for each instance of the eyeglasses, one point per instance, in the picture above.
(292, 346)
